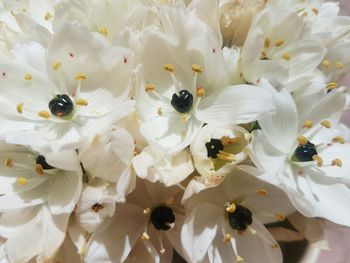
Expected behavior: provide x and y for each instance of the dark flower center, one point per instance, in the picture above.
(182, 101)
(61, 105)
(162, 217)
(241, 218)
(42, 161)
(304, 153)
(213, 147)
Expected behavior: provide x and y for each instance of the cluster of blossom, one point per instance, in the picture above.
(131, 129)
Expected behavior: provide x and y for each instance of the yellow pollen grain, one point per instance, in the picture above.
(56, 65)
(149, 87)
(239, 259)
(302, 140)
(286, 56)
(326, 124)
(326, 63)
(39, 169)
(267, 42)
(231, 208)
(28, 77)
(262, 192)
(48, 16)
(339, 139)
(279, 42)
(227, 237)
(200, 92)
(147, 211)
(19, 107)
(160, 111)
(81, 102)
(197, 68)
(8, 162)
(169, 67)
(332, 85)
(315, 11)
(280, 217)
(337, 162)
(80, 76)
(22, 181)
(318, 160)
(308, 124)
(103, 31)
(44, 114)
(145, 236)
(339, 65)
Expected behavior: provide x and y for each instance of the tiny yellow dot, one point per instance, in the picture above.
(22, 181)
(80, 76)
(48, 16)
(169, 67)
(19, 107)
(56, 65)
(103, 31)
(286, 56)
(44, 114)
(81, 102)
(28, 77)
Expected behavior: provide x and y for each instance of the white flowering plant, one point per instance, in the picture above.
(133, 129)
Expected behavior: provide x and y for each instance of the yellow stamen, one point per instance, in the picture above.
(81, 102)
(8, 162)
(332, 85)
(339, 139)
(160, 111)
(267, 42)
(231, 208)
(326, 63)
(337, 162)
(39, 169)
(149, 87)
(302, 140)
(280, 217)
(56, 65)
(145, 236)
(339, 65)
(228, 141)
(225, 156)
(19, 107)
(169, 67)
(28, 77)
(262, 192)
(318, 160)
(286, 56)
(185, 117)
(22, 181)
(200, 92)
(170, 201)
(315, 11)
(103, 31)
(263, 55)
(48, 16)
(305, 14)
(274, 245)
(80, 76)
(326, 124)
(44, 114)
(147, 211)
(308, 124)
(227, 237)
(239, 259)
(197, 68)
(279, 42)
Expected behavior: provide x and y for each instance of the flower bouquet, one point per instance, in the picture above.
(131, 129)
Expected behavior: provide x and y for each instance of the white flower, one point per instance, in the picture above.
(309, 158)
(149, 222)
(59, 97)
(226, 222)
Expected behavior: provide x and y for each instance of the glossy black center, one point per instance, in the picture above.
(61, 105)
(213, 147)
(241, 218)
(162, 217)
(42, 161)
(304, 153)
(182, 101)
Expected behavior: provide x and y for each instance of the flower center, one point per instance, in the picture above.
(214, 147)
(240, 218)
(42, 161)
(162, 217)
(61, 105)
(182, 101)
(304, 153)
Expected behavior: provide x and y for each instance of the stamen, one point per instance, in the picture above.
(332, 85)
(97, 207)
(149, 87)
(197, 68)
(274, 245)
(169, 67)
(262, 192)
(227, 237)
(228, 141)
(231, 208)
(308, 124)
(280, 217)
(8, 162)
(326, 63)
(22, 181)
(48, 16)
(19, 107)
(315, 11)
(339, 65)
(161, 243)
(226, 156)
(263, 55)
(302, 140)
(39, 169)
(200, 92)
(170, 201)
(44, 114)
(103, 31)
(81, 102)
(318, 160)
(339, 139)
(145, 236)
(267, 42)
(286, 56)
(337, 162)
(239, 259)
(80, 76)
(160, 111)
(185, 117)
(326, 124)
(28, 77)
(56, 65)
(279, 42)
(171, 225)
